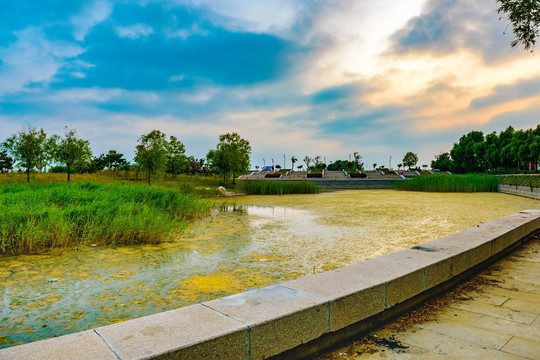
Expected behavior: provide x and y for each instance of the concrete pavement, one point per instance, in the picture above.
(495, 315)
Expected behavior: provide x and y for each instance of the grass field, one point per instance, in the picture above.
(40, 216)
(449, 183)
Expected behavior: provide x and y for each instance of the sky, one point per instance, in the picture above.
(294, 77)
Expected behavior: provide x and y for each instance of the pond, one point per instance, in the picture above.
(254, 242)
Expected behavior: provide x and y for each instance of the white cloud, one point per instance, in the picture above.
(134, 31)
(92, 14)
(269, 16)
(354, 34)
(32, 58)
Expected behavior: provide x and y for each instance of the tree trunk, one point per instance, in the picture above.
(148, 170)
(28, 174)
(68, 170)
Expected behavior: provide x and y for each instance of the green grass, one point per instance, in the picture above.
(269, 187)
(204, 186)
(36, 217)
(449, 183)
(520, 180)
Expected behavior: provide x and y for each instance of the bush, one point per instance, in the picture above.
(58, 169)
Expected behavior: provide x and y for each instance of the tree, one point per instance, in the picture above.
(231, 156)
(176, 157)
(293, 160)
(442, 162)
(27, 148)
(151, 154)
(307, 160)
(410, 159)
(114, 160)
(524, 15)
(71, 151)
(465, 153)
(6, 162)
(357, 161)
(535, 150)
(503, 143)
(493, 152)
(98, 163)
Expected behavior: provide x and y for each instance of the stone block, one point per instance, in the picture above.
(352, 297)
(402, 280)
(469, 247)
(193, 332)
(437, 264)
(278, 318)
(82, 345)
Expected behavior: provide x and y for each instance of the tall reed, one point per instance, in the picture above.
(449, 183)
(274, 187)
(40, 216)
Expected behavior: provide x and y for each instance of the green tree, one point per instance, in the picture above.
(6, 162)
(534, 146)
(442, 162)
(114, 160)
(71, 151)
(176, 155)
(524, 15)
(151, 154)
(504, 144)
(28, 148)
(231, 156)
(493, 152)
(410, 159)
(464, 153)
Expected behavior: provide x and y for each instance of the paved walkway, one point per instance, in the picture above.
(496, 315)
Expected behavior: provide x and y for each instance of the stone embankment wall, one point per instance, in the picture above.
(354, 184)
(526, 191)
(296, 318)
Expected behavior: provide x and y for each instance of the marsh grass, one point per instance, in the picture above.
(269, 187)
(449, 183)
(41, 216)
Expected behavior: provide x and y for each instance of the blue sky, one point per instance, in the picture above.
(326, 78)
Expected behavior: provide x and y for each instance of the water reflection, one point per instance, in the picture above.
(256, 242)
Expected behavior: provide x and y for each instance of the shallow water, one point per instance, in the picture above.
(268, 239)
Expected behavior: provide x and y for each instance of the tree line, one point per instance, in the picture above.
(509, 151)
(32, 149)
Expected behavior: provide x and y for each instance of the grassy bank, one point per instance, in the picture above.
(40, 216)
(449, 183)
(269, 187)
(532, 181)
(204, 186)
